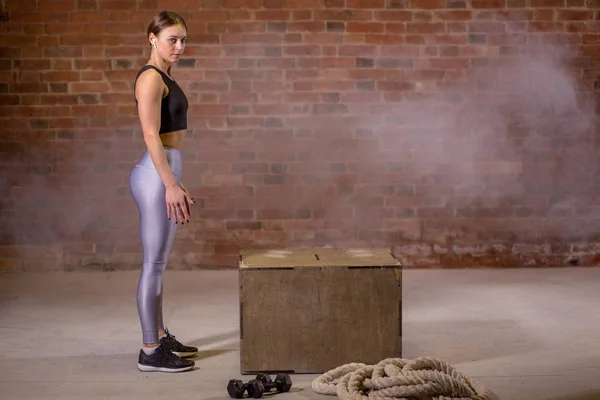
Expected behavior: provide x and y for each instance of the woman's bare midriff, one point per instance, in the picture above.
(173, 139)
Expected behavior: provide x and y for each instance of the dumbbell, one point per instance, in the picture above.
(257, 387)
(236, 388)
(282, 384)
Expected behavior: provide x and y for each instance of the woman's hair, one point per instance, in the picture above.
(163, 20)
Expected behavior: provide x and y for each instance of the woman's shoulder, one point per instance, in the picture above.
(148, 69)
(149, 82)
(149, 75)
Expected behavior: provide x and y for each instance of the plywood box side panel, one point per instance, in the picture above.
(310, 320)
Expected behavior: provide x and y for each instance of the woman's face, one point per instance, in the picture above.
(170, 43)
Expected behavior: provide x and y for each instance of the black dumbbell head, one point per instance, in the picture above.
(256, 389)
(265, 378)
(235, 388)
(283, 382)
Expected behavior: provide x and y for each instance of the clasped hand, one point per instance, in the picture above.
(179, 202)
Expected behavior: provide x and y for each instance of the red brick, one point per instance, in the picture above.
(428, 4)
(453, 15)
(299, 15)
(302, 50)
(267, 38)
(304, 4)
(306, 26)
(28, 17)
(180, 4)
(575, 15)
(57, 5)
(342, 15)
(488, 3)
(374, 4)
(365, 27)
(544, 15)
(425, 27)
(422, 16)
(10, 52)
(60, 76)
(117, 4)
(385, 39)
(272, 15)
(591, 38)
(59, 29)
(392, 27)
(33, 64)
(16, 5)
(90, 16)
(85, 87)
(14, 40)
(394, 15)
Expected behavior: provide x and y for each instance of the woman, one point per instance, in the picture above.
(155, 182)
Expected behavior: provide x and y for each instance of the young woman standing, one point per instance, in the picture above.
(155, 182)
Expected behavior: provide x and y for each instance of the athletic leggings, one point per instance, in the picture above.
(156, 233)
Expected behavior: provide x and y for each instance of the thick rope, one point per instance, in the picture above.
(423, 378)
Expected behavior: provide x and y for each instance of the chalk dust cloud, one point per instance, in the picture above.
(507, 145)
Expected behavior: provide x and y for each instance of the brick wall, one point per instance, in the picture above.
(460, 132)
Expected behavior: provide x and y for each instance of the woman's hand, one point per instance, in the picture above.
(189, 199)
(187, 193)
(177, 204)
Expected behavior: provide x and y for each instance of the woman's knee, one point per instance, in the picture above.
(154, 267)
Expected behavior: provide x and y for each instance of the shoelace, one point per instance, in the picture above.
(171, 339)
(168, 335)
(169, 354)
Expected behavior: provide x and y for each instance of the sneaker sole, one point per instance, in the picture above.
(185, 354)
(149, 368)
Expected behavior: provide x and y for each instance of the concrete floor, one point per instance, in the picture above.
(526, 334)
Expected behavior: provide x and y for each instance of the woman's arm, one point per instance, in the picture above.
(149, 91)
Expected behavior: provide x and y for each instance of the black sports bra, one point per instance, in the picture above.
(173, 109)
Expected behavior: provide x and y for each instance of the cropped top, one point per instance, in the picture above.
(174, 106)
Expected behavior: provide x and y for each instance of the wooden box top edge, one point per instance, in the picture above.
(326, 257)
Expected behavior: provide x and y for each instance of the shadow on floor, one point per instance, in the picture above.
(297, 393)
(204, 354)
(97, 367)
(205, 341)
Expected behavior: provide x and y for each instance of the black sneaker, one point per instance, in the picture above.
(171, 344)
(163, 360)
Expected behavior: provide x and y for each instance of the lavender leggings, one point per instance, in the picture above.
(156, 234)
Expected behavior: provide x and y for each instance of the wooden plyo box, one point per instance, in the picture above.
(312, 310)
